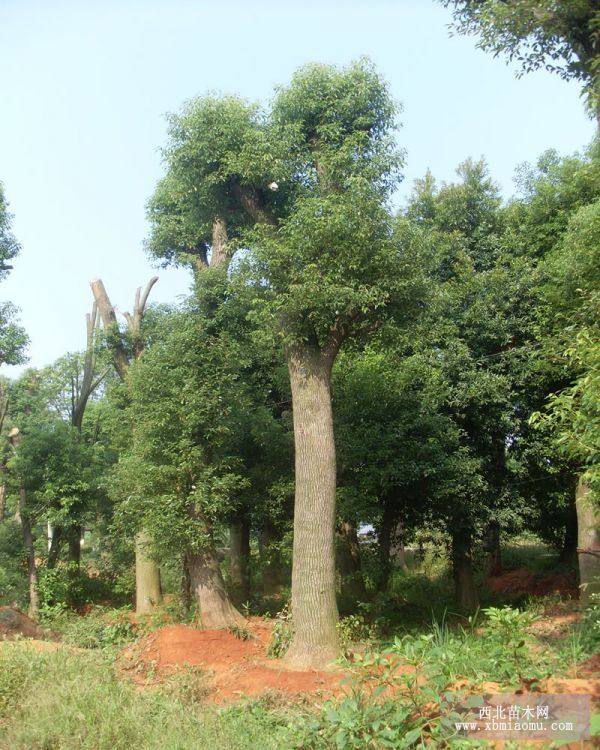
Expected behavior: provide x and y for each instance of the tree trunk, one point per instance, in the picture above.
(148, 592)
(186, 584)
(315, 642)
(588, 542)
(493, 551)
(272, 566)
(239, 538)
(75, 533)
(2, 502)
(397, 551)
(466, 594)
(32, 576)
(208, 587)
(568, 552)
(384, 537)
(55, 544)
(349, 563)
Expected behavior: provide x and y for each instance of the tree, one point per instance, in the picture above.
(13, 338)
(303, 190)
(148, 590)
(575, 411)
(562, 37)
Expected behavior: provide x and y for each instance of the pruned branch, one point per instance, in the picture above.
(109, 321)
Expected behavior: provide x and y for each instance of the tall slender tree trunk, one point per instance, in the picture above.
(349, 562)
(272, 566)
(208, 588)
(466, 594)
(2, 501)
(493, 551)
(75, 533)
(568, 552)
(148, 591)
(186, 584)
(239, 546)
(397, 549)
(588, 542)
(32, 575)
(384, 537)
(315, 642)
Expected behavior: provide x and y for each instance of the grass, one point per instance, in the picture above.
(62, 700)
(68, 699)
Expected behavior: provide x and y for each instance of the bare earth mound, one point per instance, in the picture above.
(523, 581)
(237, 667)
(14, 623)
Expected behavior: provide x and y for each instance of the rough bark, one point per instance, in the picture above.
(239, 556)
(148, 591)
(466, 594)
(493, 550)
(588, 542)
(208, 587)
(32, 576)
(349, 562)
(315, 641)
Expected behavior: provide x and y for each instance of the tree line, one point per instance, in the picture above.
(339, 365)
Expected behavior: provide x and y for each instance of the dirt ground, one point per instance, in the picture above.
(236, 668)
(523, 581)
(14, 624)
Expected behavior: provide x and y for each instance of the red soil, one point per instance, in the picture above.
(523, 581)
(237, 667)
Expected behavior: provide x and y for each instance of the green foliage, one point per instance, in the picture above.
(13, 338)
(557, 36)
(100, 628)
(12, 557)
(281, 635)
(359, 722)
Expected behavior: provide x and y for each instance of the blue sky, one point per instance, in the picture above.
(85, 86)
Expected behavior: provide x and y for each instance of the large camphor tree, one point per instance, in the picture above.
(302, 189)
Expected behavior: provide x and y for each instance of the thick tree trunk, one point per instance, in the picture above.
(384, 537)
(397, 551)
(239, 545)
(32, 576)
(148, 591)
(493, 551)
(208, 587)
(349, 563)
(315, 642)
(466, 594)
(588, 542)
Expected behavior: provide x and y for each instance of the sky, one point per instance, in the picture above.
(86, 86)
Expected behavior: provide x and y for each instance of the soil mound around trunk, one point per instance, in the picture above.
(523, 581)
(236, 667)
(14, 623)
